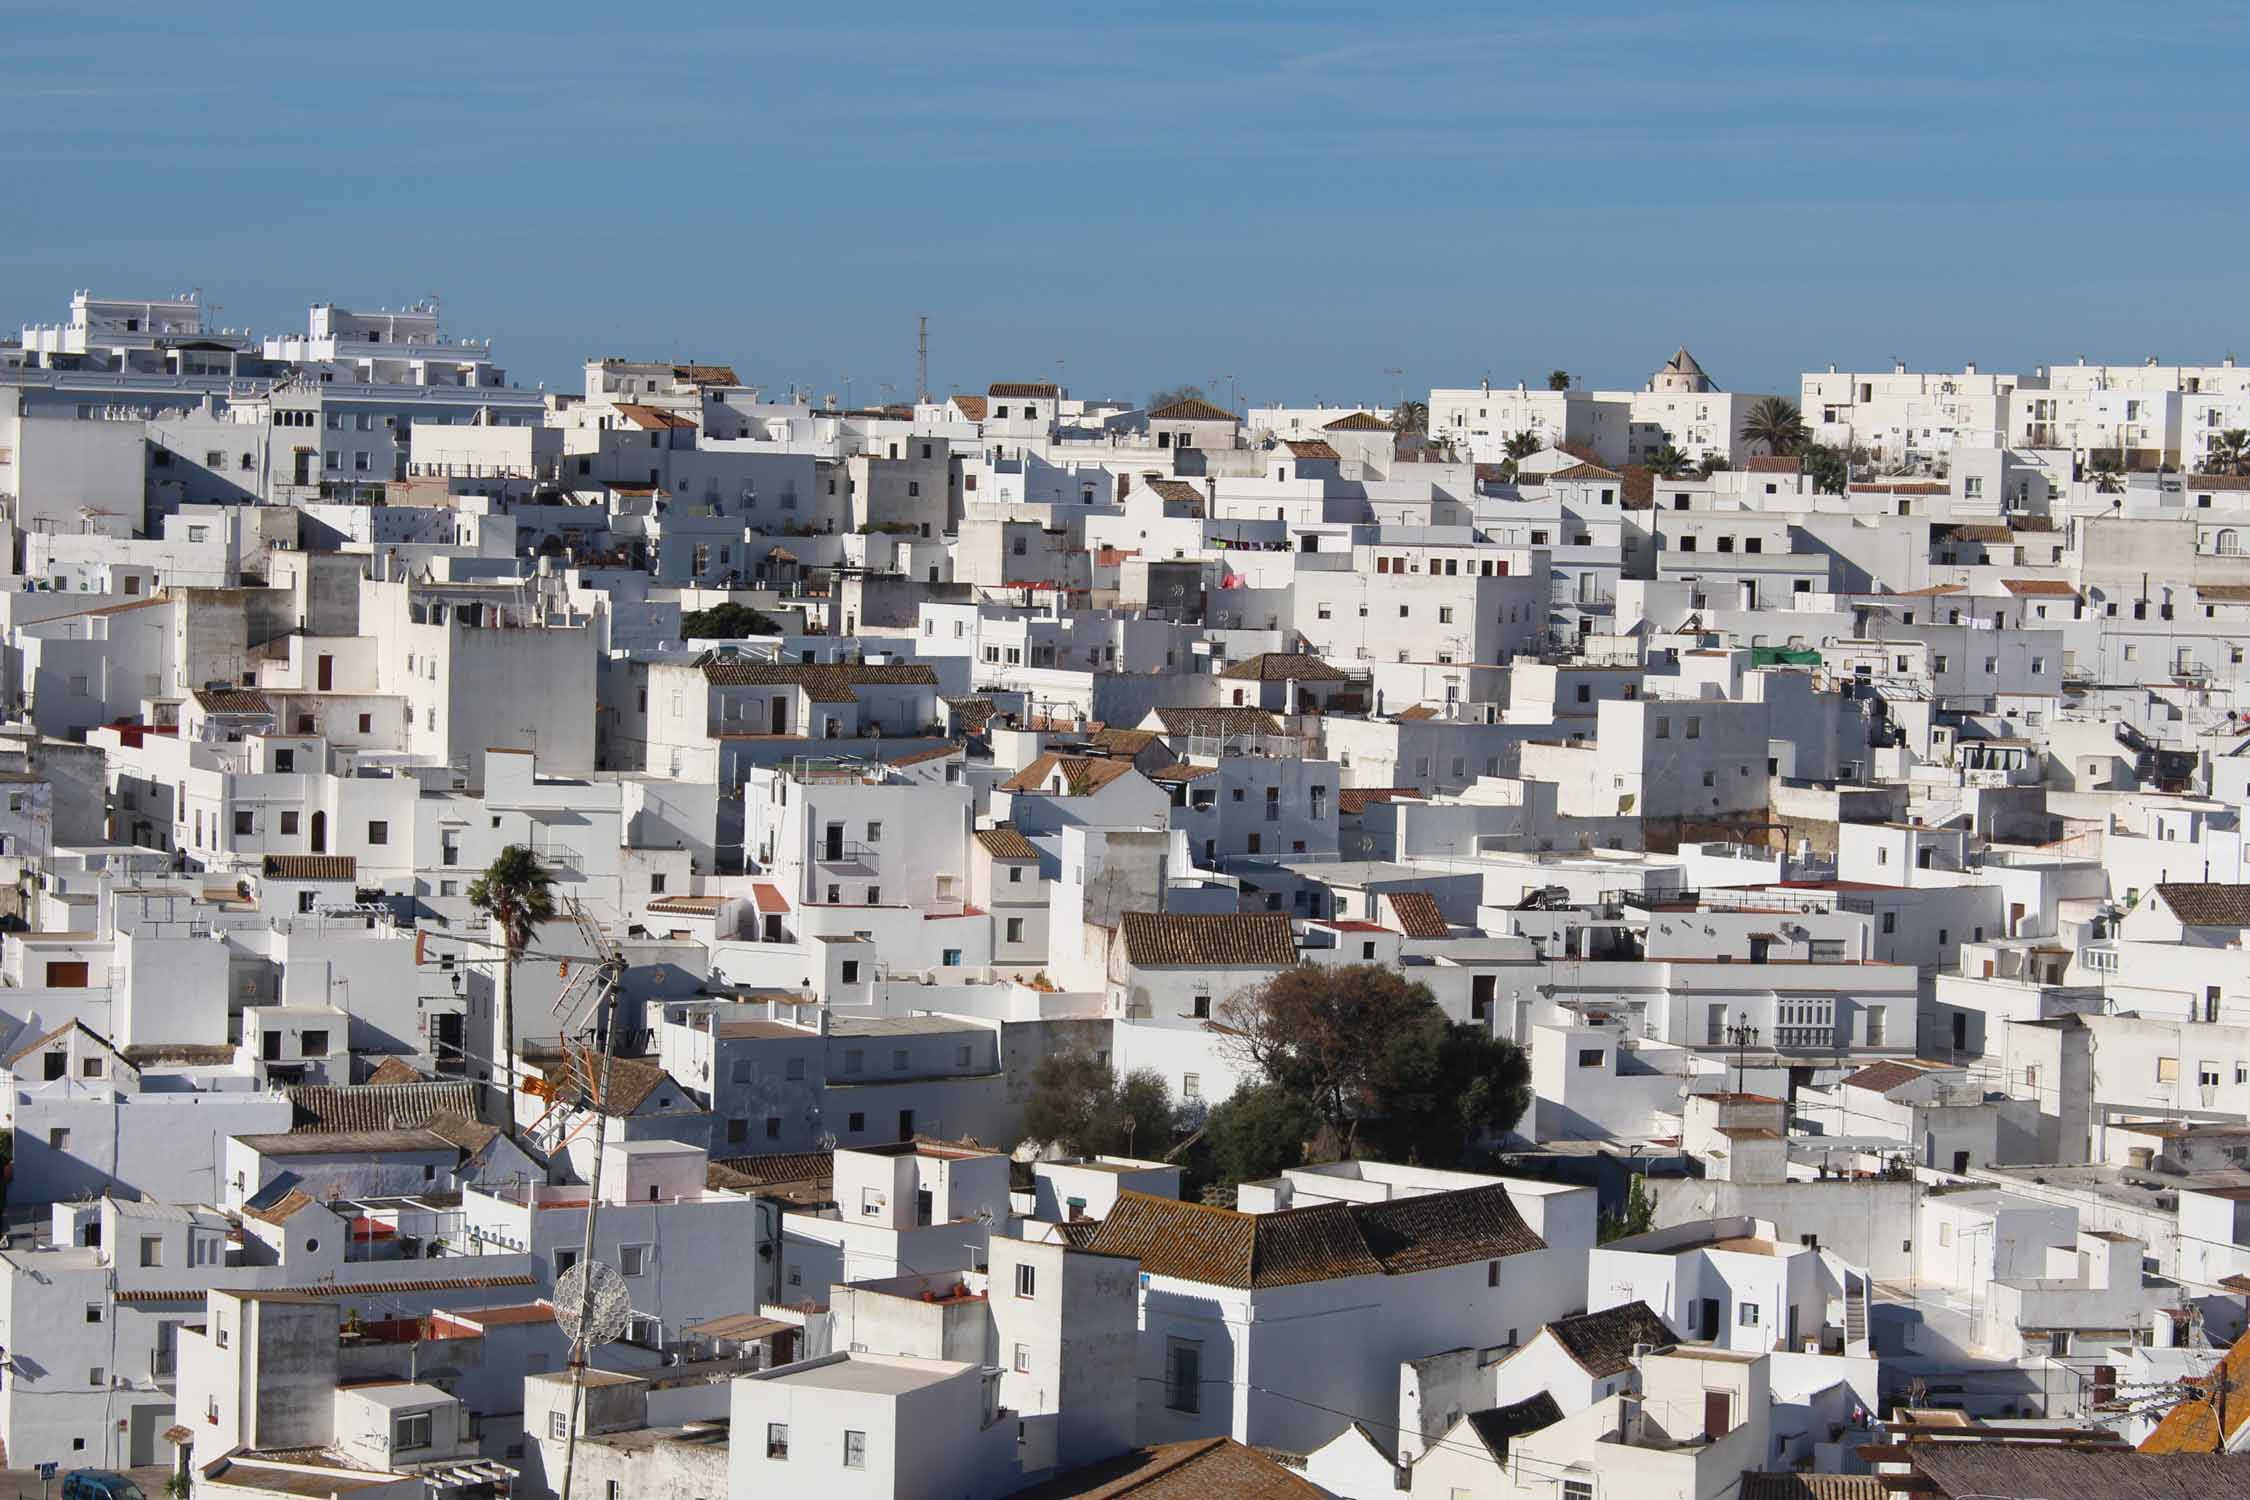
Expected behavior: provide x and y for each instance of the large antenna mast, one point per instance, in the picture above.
(922, 360)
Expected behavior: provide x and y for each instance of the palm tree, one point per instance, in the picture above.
(2109, 478)
(1668, 461)
(518, 895)
(1522, 445)
(2229, 453)
(1558, 380)
(1778, 424)
(1411, 416)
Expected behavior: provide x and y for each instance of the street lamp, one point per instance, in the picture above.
(1741, 1036)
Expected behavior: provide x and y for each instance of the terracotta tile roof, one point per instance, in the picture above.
(395, 1070)
(358, 1288)
(1216, 1468)
(1323, 1242)
(2217, 482)
(1982, 534)
(471, 1136)
(1900, 489)
(1006, 843)
(1418, 712)
(1769, 463)
(1222, 940)
(1110, 557)
(689, 906)
(974, 713)
(1416, 913)
(2200, 904)
(783, 1166)
(1358, 421)
(310, 867)
(326, 1108)
(2053, 587)
(945, 751)
(1585, 471)
(653, 419)
(2047, 1471)
(1194, 409)
(1789, 1486)
(2191, 1427)
(2223, 593)
(769, 897)
(1180, 771)
(632, 1080)
(1080, 775)
(822, 682)
(971, 407)
(233, 701)
(1178, 491)
(1882, 1077)
(1316, 448)
(1602, 1342)
(1202, 722)
(1499, 1426)
(1357, 799)
(706, 374)
(1283, 666)
(1023, 390)
(1125, 741)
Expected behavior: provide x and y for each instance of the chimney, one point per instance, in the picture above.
(1632, 1421)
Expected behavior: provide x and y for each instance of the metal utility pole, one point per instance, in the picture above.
(605, 1014)
(922, 359)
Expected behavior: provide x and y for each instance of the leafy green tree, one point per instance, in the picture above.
(1639, 1216)
(1260, 1132)
(727, 621)
(1830, 469)
(1777, 424)
(1173, 395)
(1668, 462)
(2229, 453)
(1558, 380)
(1371, 1052)
(1078, 1102)
(1712, 464)
(517, 893)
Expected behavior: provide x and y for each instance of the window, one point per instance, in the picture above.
(1191, 1085)
(152, 1249)
(378, 833)
(1747, 1315)
(315, 1043)
(1578, 1489)
(410, 1430)
(1027, 1281)
(855, 1449)
(1183, 1375)
(777, 1440)
(632, 1260)
(856, 1123)
(93, 1312)
(1023, 1359)
(1589, 1057)
(2167, 1070)
(558, 1426)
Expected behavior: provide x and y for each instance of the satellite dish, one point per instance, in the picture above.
(594, 1287)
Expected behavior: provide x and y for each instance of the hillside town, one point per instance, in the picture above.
(1520, 940)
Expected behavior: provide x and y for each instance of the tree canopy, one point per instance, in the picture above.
(1260, 1132)
(1830, 469)
(1776, 423)
(1172, 395)
(1375, 1057)
(1079, 1102)
(1558, 380)
(727, 621)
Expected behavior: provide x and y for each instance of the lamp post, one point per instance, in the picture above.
(1741, 1036)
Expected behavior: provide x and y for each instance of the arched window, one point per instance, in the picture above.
(2228, 544)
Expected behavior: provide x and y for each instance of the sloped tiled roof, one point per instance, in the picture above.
(2192, 1426)
(2042, 1471)
(971, 407)
(2050, 587)
(1498, 1426)
(653, 419)
(1194, 409)
(1125, 741)
(1882, 1077)
(1788, 1486)
(1770, 463)
(311, 867)
(1213, 1468)
(232, 701)
(1081, 774)
(1585, 471)
(1283, 666)
(974, 713)
(1417, 914)
(1023, 390)
(1322, 1242)
(632, 1080)
(706, 374)
(1358, 421)
(2201, 904)
(822, 682)
(282, 1210)
(470, 1135)
(1315, 448)
(1602, 1342)
(1176, 490)
(1006, 843)
(396, 1070)
(324, 1108)
(1217, 721)
(1357, 799)
(1228, 940)
(782, 1166)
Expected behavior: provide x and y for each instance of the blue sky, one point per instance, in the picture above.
(1302, 195)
